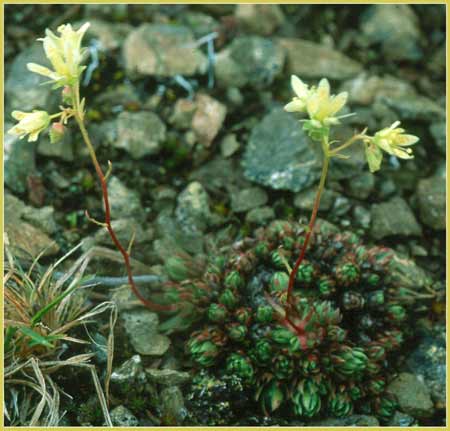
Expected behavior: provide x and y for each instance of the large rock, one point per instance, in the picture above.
(363, 89)
(23, 89)
(19, 162)
(125, 203)
(162, 50)
(431, 199)
(311, 60)
(396, 28)
(246, 199)
(192, 210)
(280, 155)
(122, 417)
(110, 35)
(262, 19)
(394, 217)
(249, 60)
(138, 133)
(412, 395)
(142, 328)
(439, 133)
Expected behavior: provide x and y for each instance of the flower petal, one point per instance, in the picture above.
(295, 106)
(299, 87)
(374, 157)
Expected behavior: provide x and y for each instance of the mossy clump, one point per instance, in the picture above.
(331, 352)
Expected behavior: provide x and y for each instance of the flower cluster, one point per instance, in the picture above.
(65, 55)
(322, 108)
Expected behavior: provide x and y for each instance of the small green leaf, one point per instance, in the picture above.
(38, 339)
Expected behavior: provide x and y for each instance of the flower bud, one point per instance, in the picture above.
(56, 133)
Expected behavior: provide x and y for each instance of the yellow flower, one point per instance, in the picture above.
(393, 141)
(317, 102)
(301, 90)
(322, 106)
(30, 123)
(65, 55)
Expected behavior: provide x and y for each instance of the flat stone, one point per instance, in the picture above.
(162, 50)
(229, 145)
(396, 28)
(311, 60)
(125, 203)
(110, 35)
(42, 218)
(412, 395)
(122, 417)
(261, 19)
(364, 88)
(264, 61)
(247, 199)
(208, 118)
(23, 89)
(192, 210)
(19, 162)
(27, 241)
(167, 377)
(431, 199)
(131, 372)
(62, 150)
(200, 23)
(279, 154)
(125, 229)
(142, 328)
(139, 133)
(260, 216)
(361, 186)
(183, 113)
(172, 406)
(393, 218)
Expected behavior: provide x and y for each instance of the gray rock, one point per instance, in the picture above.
(412, 107)
(439, 134)
(431, 199)
(131, 372)
(229, 145)
(42, 218)
(264, 61)
(119, 96)
(142, 328)
(27, 241)
(62, 150)
(396, 28)
(125, 203)
(247, 199)
(172, 406)
(412, 395)
(341, 206)
(279, 154)
(361, 217)
(427, 362)
(192, 210)
(311, 60)
(167, 377)
(162, 50)
(208, 118)
(352, 420)
(393, 218)
(138, 133)
(110, 35)
(23, 89)
(200, 23)
(361, 186)
(13, 207)
(305, 199)
(19, 162)
(363, 89)
(261, 19)
(122, 417)
(260, 216)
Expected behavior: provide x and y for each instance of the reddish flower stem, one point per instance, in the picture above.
(289, 301)
(126, 257)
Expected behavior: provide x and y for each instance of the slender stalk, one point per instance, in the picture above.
(347, 144)
(79, 117)
(312, 221)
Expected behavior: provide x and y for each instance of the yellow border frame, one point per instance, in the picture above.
(348, 2)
